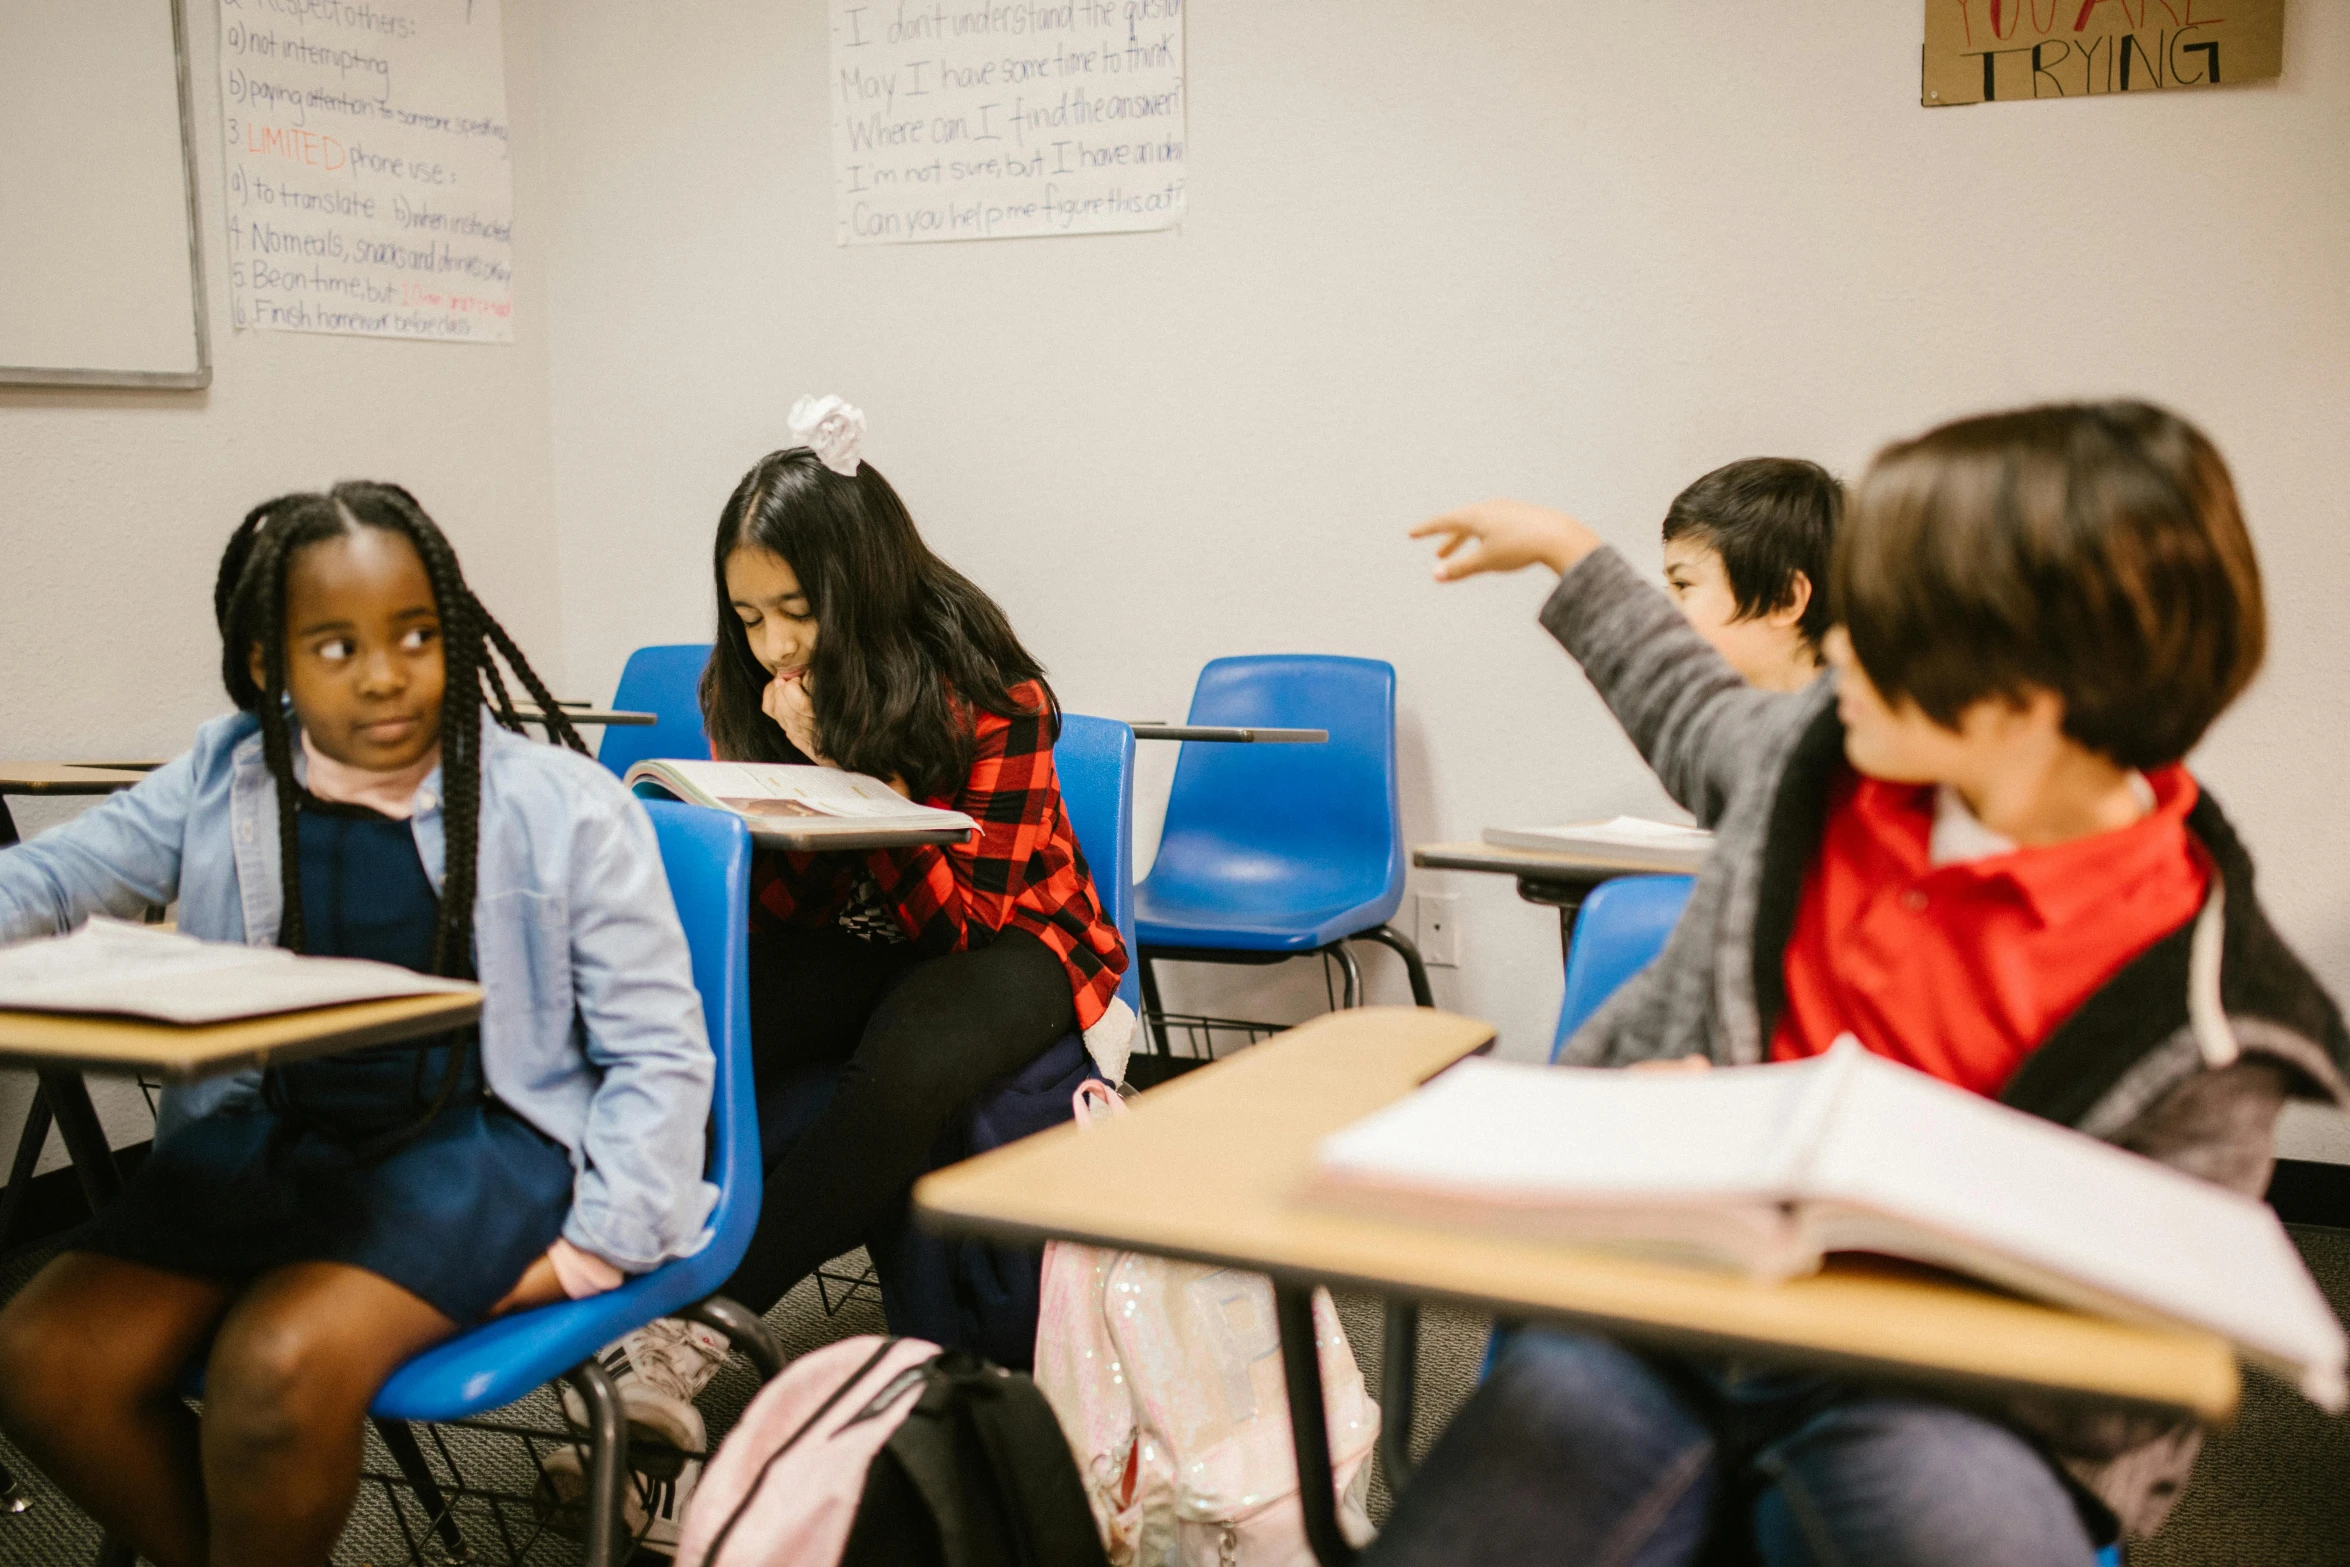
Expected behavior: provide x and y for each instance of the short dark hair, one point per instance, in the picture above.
(908, 645)
(2095, 550)
(1768, 518)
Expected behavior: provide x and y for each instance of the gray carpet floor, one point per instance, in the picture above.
(2271, 1491)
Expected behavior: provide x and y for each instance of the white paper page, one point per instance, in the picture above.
(1512, 1132)
(821, 791)
(1631, 832)
(109, 966)
(369, 188)
(1961, 1166)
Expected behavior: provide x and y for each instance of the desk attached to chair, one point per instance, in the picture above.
(1553, 880)
(1211, 1167)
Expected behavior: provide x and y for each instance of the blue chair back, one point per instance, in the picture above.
(707, 855)
(666, 680)
(1620, 929)
(1095, 761)
(1282, 847)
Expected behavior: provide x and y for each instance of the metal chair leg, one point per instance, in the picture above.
(1405, 948)
(1309, 1424)
(1399, 1365)
(29, 1144)
(607, 1428)
(85, 1139)
(402, 1443)
(1154, 1011)
(745, 1331)
(1350, 995)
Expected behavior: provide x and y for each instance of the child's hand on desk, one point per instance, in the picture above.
(786, 701)
(1673, 1064)
(1508, 535)
(539, 1285)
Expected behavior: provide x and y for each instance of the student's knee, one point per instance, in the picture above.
(1908, 1483)
(44, 1369)
(275, 1383)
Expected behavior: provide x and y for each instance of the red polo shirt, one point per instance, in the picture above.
(1961, 970)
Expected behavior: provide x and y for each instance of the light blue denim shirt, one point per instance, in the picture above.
(591, 1027)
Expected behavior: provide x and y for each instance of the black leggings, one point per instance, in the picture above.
(863, 1053)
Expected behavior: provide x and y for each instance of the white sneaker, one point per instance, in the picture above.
(652, 1510)
(657, 1370)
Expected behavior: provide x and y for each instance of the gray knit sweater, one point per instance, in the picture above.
(2185, 1056)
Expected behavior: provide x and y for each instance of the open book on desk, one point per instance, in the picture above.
(792, 807)
(1663, 846)
(112, 968)
(1765, 1169)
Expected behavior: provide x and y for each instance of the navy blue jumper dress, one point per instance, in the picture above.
(345, 1158)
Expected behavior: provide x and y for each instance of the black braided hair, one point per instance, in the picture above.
(249, 603)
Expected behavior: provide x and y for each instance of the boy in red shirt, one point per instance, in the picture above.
(1976, 850)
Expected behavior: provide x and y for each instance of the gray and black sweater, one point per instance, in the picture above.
(2184, 1056)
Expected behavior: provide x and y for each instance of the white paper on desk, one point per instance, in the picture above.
(109, 966)
(1668, 843)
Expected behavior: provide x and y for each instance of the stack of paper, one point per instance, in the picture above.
(127, 970)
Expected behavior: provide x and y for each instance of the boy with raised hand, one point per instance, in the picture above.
(1746, 559)
(1975, 849)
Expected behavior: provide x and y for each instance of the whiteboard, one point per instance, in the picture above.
(101, 279)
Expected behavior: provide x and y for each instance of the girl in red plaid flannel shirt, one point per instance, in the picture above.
(889, 987)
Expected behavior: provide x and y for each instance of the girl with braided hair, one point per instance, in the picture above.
(316, 1224)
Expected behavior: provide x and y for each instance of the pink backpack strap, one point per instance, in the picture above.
(1091, 1092)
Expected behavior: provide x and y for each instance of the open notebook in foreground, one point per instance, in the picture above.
(1767, 1168)
(805, 807)
(126, 970)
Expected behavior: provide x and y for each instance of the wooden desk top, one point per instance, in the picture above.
(180, 1052)
(1212, 1166)
(1583, 867)
(64, 778)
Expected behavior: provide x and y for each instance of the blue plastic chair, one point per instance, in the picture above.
(1279, 851)
(666, 680)
(707, 855)
(1619, 931)
(1094, 759)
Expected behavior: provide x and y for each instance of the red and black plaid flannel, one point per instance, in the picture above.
(1024, 869)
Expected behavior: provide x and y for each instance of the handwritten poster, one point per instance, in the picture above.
(369, 189)
(2000, 51)
(1004, 119)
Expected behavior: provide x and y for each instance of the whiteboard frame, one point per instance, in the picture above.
(156, 380)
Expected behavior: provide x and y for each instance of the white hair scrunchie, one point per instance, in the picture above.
(832, 429)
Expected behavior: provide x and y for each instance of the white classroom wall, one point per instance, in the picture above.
(1570, 251)
(1436, 251)
(114, 505)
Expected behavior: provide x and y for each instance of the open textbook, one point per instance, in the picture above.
(111, 967)
(1767, 1168)
(806, 807)
(1663, 845)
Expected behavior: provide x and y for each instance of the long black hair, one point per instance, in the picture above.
(903, 638)
(249, 602)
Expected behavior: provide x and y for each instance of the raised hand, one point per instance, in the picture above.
(1505, 536)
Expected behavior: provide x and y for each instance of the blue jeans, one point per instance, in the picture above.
(1577, 1450)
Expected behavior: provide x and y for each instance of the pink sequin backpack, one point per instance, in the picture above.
(1166, 1377)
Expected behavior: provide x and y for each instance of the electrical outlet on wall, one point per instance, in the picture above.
(1439, 934)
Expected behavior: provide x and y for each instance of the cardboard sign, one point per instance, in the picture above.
(1998, 51)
